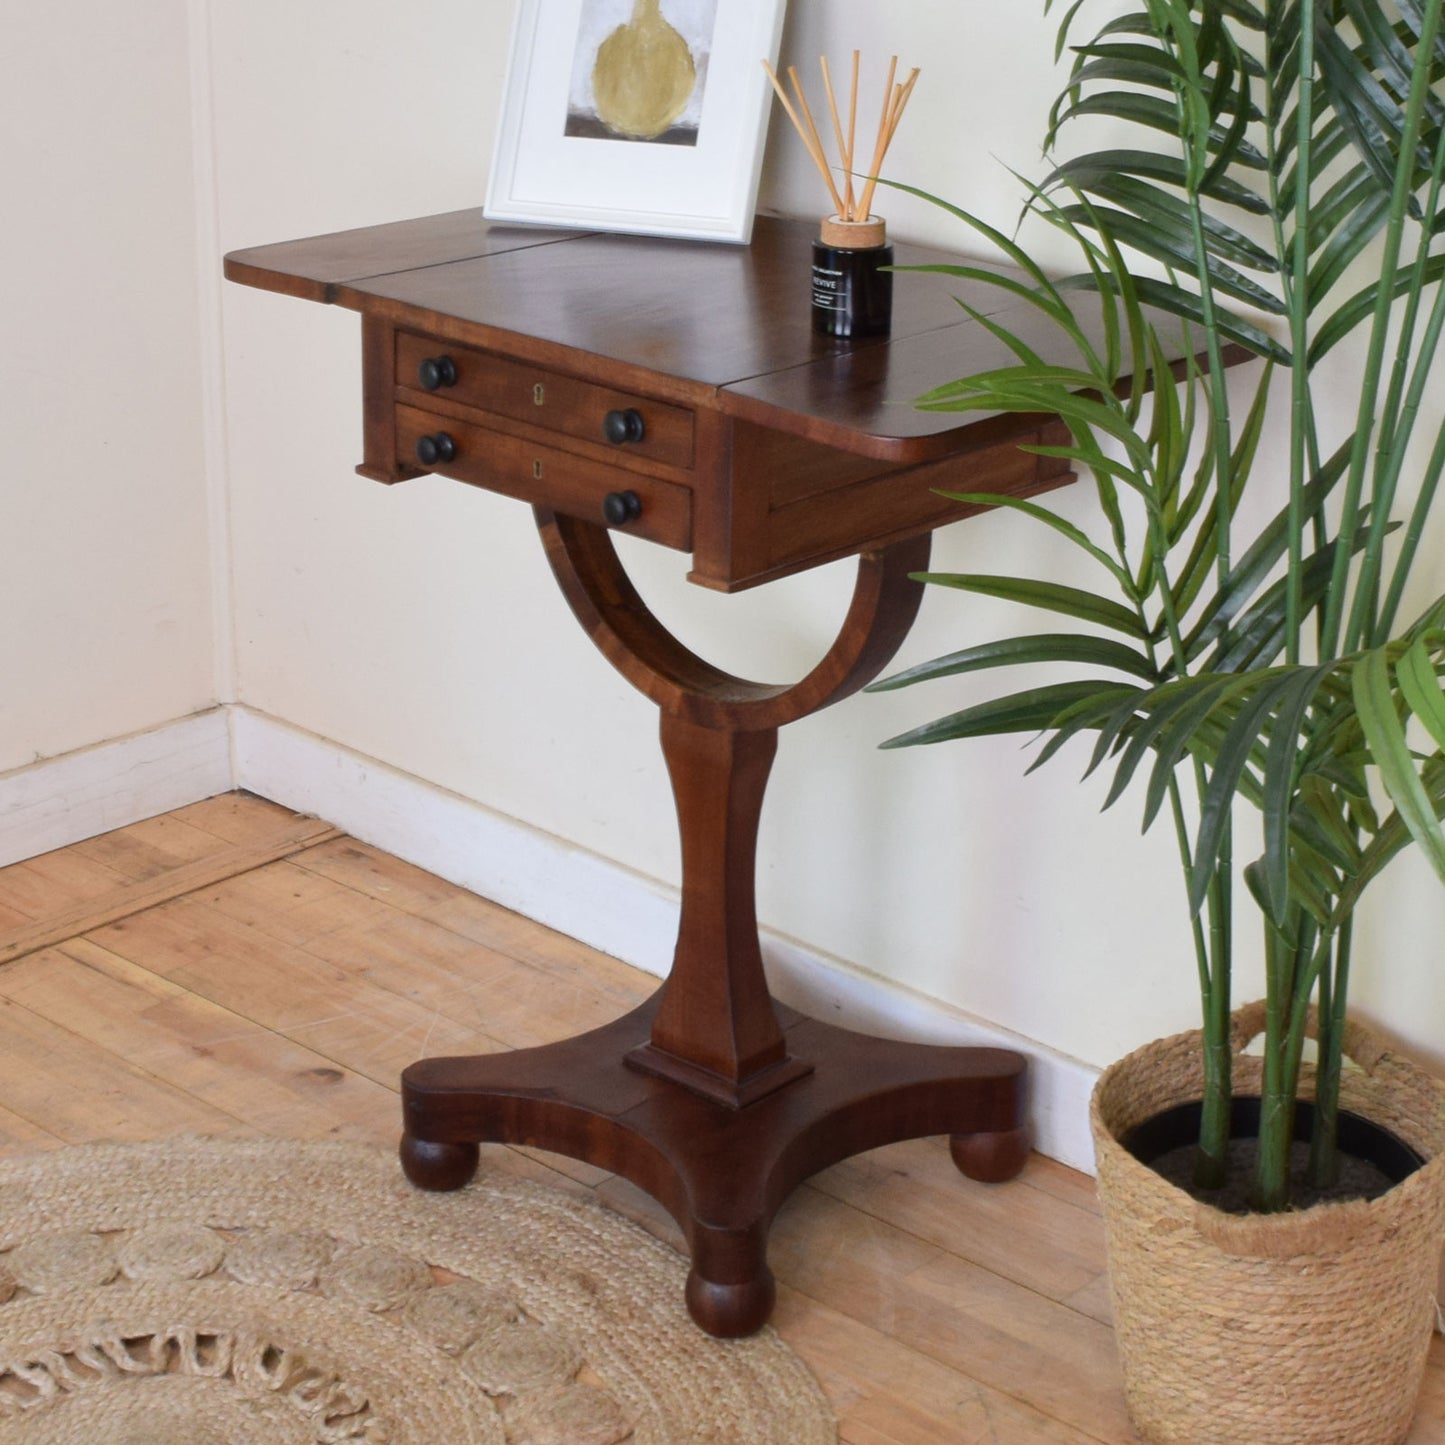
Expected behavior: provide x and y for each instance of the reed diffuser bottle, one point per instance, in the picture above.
(852, 287)
(852, 282)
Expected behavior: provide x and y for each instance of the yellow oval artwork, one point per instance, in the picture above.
(643, 75)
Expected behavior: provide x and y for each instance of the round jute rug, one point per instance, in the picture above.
(265, 1292)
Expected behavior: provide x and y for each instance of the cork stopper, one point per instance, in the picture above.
(853, 235)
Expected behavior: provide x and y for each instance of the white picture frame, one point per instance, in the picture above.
(560, 159)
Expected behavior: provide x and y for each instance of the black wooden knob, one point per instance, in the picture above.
(619, 508)
(623, 426)
(438, 447)
(437, 371)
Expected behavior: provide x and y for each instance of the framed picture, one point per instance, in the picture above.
(636, 115)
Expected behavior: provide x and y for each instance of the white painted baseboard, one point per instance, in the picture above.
(838, 992)
(63, 800)
(523, 868)
(605, 905)
(614, 909)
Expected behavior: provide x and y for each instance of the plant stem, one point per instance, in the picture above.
(1423, 365)
(1276, 1112)
(1299, 330)
(1324, 1150)
(1304, 430)
(1212, 1159)
(1397, 421)
(1370, 382)
(1413, 532)
(1306, 969)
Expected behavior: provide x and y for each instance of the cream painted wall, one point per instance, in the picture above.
(104, 566)
(419, 625)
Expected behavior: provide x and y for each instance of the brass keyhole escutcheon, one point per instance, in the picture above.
(539, 396)
(537, 470)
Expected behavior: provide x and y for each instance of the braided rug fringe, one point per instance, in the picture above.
(1308, 1328)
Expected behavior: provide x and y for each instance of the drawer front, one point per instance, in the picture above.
(639, 426)
(549, 477)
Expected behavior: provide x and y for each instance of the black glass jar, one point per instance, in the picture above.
(852, 289)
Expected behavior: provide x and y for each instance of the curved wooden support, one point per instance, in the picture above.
(716, 1031)
(709, 1097)
(885, 602)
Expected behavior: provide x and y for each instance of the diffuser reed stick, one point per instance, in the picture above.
(845, 144)
(847, 203)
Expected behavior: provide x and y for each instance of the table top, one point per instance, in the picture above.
(707, 325)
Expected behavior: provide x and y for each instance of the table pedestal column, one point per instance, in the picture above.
(710, 1097)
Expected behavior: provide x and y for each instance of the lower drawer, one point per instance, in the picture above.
(548, 477)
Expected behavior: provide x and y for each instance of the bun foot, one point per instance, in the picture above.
(990, 1158)
(437, 1166)
(730, 1311)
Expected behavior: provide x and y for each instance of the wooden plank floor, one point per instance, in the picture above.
(230, 968)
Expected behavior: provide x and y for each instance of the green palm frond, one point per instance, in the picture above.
(1274, 186)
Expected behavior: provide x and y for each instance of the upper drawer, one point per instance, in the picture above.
(558, 403)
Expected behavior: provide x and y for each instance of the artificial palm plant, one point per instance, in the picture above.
(1281, 181)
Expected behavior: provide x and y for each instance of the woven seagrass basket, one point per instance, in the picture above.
(1308, 1328)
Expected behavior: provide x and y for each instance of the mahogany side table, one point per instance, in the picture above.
(675, 390)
